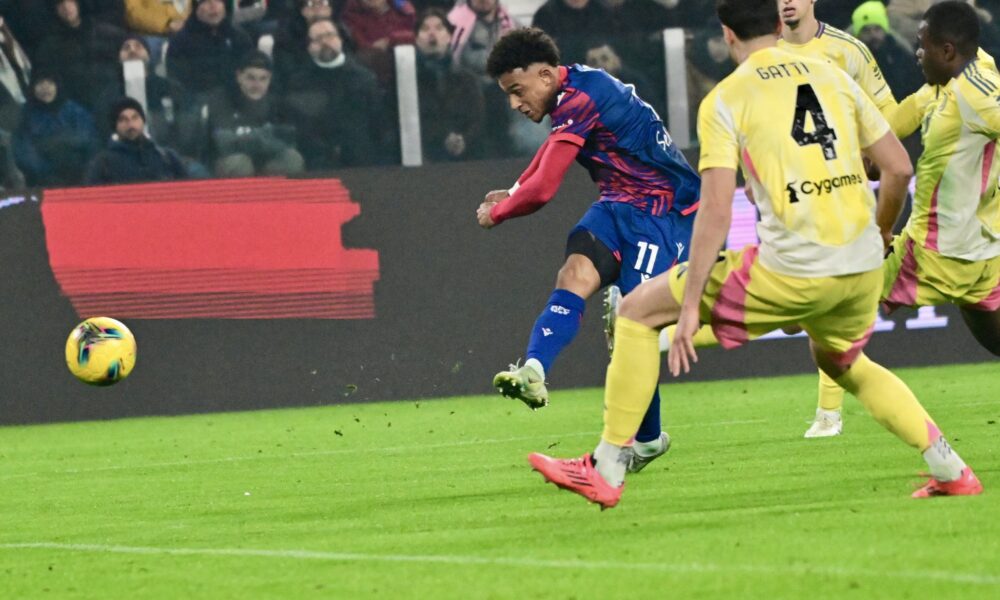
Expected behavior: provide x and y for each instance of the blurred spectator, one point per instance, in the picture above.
(837, 13)
(870, 24)
(278, 10)
(574, 24)
(30, 20)
(131, 156)
(291, 42)
(637, 37)
(249, 134)
(478, 26)
(630, 17)
(11, 177)
(82, 52)
(15, 75)
(905, 17)
(251, 15)
(989, 33)
(204, 54)
(451, 101)
(708, 63)
(336, 104)
(602, 55)
(376, 26)
(247, 11)
(156, 17)
(169, 112)
(422, 5)
(111, 12)
(992, 7)
(651, 15)
(56, 136)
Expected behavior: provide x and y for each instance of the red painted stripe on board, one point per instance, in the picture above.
(250, 248)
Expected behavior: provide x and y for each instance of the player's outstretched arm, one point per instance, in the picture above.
(904, 118)
(711, 226)
(535, 191)
(897, 170)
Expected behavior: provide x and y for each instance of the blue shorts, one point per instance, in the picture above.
(645, 245)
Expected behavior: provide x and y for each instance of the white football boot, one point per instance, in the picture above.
(826, 424)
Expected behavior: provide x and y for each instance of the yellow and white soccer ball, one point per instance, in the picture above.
(100, 351)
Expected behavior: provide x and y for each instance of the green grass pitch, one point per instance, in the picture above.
(434, 499)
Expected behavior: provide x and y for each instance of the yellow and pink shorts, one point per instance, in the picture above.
(744, 300)
(917, 276)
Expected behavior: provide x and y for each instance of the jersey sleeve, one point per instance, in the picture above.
(872, 126)
(717, 135)
(905, 118)
(983, 95)
(861, 65)
(574, 117)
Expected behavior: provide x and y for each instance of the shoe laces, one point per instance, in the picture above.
(575, 463)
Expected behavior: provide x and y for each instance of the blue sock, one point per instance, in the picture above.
(556, 327)
(649, 430)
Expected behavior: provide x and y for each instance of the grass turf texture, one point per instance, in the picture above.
(434, 499)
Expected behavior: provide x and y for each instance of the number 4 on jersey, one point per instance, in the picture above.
(807, 102)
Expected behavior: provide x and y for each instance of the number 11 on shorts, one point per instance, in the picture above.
(653, 250)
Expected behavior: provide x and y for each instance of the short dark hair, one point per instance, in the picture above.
(430, 13)
(123, 104)
(520, 48)
(255, 59)
(956, 23)
(749, 19)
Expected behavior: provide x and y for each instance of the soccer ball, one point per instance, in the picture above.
(100, 351)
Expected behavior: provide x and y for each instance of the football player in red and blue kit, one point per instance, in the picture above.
(640, 226)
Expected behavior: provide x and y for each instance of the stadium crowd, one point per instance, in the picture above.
(245, 87)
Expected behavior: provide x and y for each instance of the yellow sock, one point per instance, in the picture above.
(831, 395)
(703, 338)
(890, 401)
(633, 375)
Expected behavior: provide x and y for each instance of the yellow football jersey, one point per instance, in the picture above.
(797, 127)
(956, 208)
(851, 55)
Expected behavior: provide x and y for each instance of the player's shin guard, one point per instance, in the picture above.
(889, 400)
(556, 327)
(632, 378)
(831, 395)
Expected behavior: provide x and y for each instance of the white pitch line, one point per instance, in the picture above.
(978, 403)
(411, 448)
(568, 564)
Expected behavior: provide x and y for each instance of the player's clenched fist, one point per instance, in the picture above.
(491, 200)
(483, 215)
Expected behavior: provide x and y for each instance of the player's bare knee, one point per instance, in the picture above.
(632, 306)
(579, 276)
(650, 305)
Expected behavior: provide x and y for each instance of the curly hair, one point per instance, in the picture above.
(520, 48)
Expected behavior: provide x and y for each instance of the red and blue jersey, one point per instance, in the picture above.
(623, 143)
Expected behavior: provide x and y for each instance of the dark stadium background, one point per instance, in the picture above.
(453, 304)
